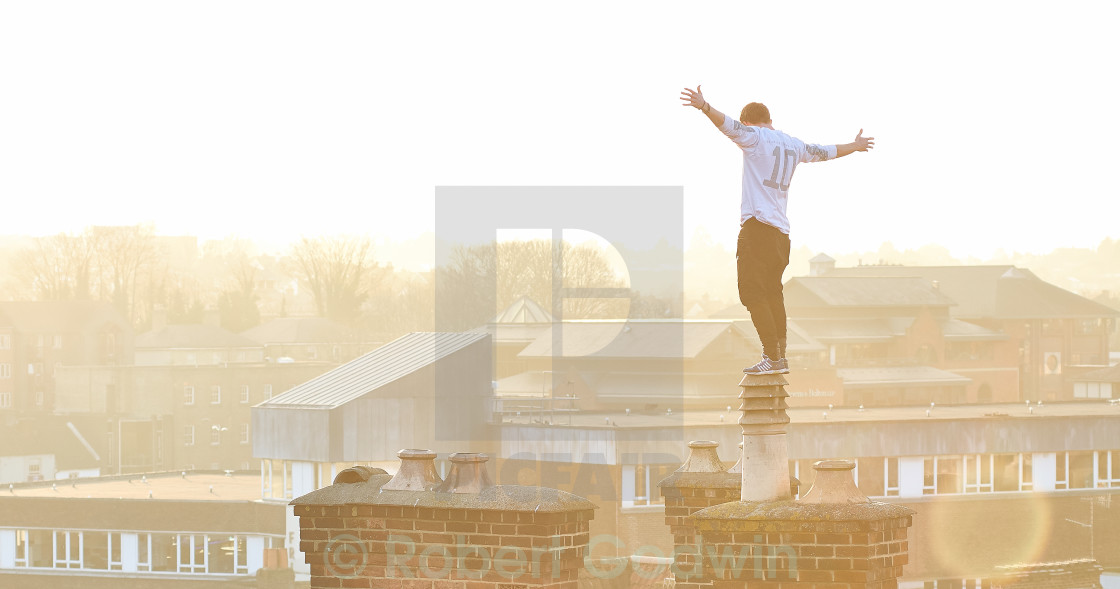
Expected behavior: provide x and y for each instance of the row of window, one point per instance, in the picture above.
(41, 341)
(33, 368)
(229, 554)
(6, 399)
(217, 432)
(216, 394)
(916, 476)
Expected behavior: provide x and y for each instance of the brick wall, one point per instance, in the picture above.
(792, 546)
(685, 494)
(503, 537)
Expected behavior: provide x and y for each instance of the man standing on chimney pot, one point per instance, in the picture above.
(762, 254)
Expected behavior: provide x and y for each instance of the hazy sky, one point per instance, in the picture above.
(995, 122)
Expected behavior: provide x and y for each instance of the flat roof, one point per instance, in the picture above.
(195, 486)
(619, 419)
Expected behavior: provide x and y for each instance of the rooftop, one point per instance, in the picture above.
(194, 486)
(619, 419)
(361, 376)
(192, 337)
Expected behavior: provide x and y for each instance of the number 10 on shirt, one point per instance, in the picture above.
(783, 168)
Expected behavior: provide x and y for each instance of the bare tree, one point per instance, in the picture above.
(60, 267)
(478, 281)
(126, 258)
(338, 272)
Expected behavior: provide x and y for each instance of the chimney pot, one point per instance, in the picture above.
(468, 474)
(834, 483)
(417, 472)
(702, 457)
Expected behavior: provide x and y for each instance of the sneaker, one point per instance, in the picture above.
(768, 366)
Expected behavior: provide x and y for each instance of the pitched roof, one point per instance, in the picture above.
(1000, 291)
(859, 291)
(360, 376)
(629, 339)
(523, 310)
(57, 317)
(192, 337)
(300, 330)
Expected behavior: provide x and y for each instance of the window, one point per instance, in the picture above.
(978, 473)
(245, 393)
(143, 552)
(67, 550)
(161, 552)
(21, 548)
(5, 341)
(188, 395)
(192, 553)
(188, 435)
(5, 370)
(267, 392)
(215, 395)
(1080, 470)
(1108, 469)
(639, 484)
(1089, 326)
(5, 400)
(244, 433)
(56, 342)
(38, 398)
(1061, 471)
(101, 551)
(34, 470)
(216, 435)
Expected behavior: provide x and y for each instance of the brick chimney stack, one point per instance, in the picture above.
(414, 531)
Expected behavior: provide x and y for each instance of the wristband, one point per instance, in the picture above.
(707, 108)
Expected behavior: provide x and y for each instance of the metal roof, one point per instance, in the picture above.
(365, 374)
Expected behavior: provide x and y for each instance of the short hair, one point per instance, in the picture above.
(755, 113)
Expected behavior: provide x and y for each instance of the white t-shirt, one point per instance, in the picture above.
(769, 159)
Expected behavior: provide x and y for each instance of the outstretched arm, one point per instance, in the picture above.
(695, 99)
(860, 144)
